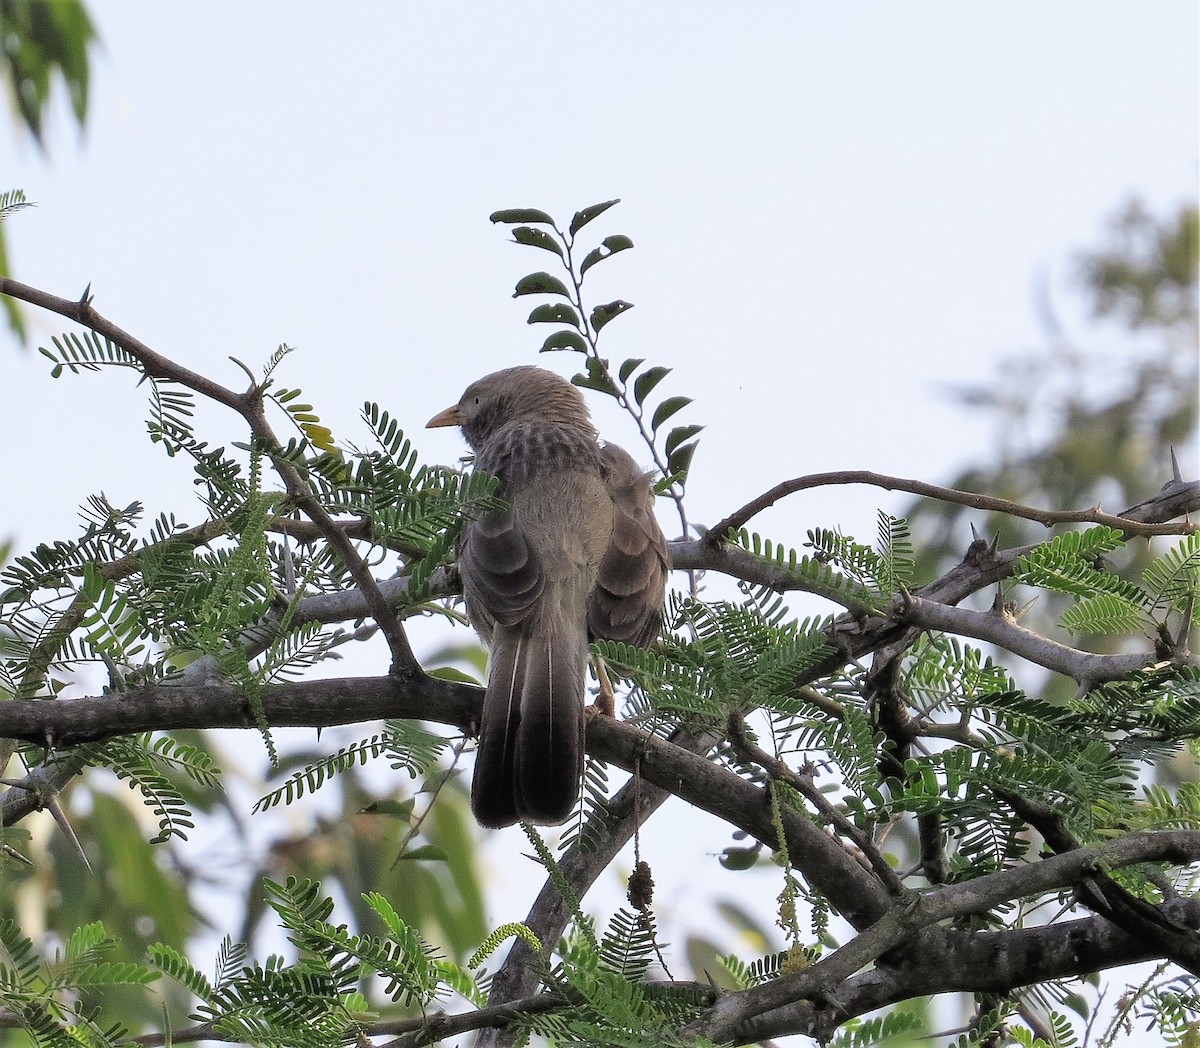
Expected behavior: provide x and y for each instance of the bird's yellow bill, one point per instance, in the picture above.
(449, 417)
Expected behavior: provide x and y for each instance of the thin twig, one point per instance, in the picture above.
(802, 783)
(1046, 517)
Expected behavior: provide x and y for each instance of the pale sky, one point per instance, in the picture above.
(838, 210)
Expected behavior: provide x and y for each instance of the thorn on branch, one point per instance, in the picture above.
(1009, 610)
(978, 553)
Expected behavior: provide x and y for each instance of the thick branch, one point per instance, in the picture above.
(945, 960)
(723, 1023)
(316, 703)
(349, 700)
(1086, 667)
(823, 859)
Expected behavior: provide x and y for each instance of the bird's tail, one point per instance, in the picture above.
(530, 757)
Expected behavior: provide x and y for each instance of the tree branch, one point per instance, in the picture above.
(155, 364)
(724, 1021)
(1088, 668)
(314, 703)
(946, 960)
(249, 406)
(1188, 495)
(802, 783)
(350, 700)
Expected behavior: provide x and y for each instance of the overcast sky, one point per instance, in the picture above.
(838, 210)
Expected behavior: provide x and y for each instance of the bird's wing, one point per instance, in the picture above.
(627, 602)
(502, 573)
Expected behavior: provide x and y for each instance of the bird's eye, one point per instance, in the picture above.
(476, 400)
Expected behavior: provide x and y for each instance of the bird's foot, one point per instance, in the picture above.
(605, 704)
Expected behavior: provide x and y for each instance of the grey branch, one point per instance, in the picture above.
(1130, 522)
(920, 911)
(1085, 667)
(946, 960)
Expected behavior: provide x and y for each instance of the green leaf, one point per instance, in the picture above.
(568, 340)
(12, 201)
(425, 851)
(541, 284)
(739, 858)
(452, 674)
(680, 460)
(668, 408)
(1174, 577)
(1068, 563)
(554, 313)
(538, 238)
(609, 246)
(646, 381)
(629, 367)
(597, 378)
(678, 435)
(582, 218)
(44, 42)
(93, 582)
(1104, 613)
(601, 315)
(393, 809)
(515, 215)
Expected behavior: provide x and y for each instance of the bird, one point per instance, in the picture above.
(575, 553)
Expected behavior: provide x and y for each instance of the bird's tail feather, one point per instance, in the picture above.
(530, 757)
(493, 787)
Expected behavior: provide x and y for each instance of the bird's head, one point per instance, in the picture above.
(520, 394)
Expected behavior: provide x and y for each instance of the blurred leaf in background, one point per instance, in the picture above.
(43, 43)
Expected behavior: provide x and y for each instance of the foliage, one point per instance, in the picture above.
(42, 42)
(40, 992)
(873, 767)
(632, 384)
